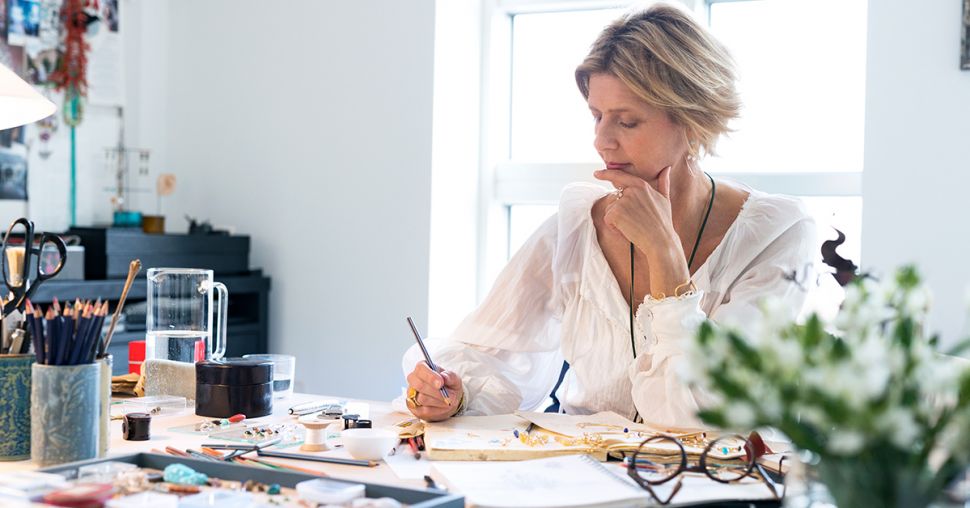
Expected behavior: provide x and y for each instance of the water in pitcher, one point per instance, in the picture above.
(180, 346)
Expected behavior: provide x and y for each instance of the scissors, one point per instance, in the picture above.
(19, 281)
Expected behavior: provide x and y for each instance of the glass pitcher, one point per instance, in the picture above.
(179, 316)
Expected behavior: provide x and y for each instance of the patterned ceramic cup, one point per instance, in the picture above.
(15, 406)
(65, 404)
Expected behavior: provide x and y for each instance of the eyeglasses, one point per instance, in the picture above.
(727, 459)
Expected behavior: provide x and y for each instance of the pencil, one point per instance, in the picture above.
(314, 458)
(427, 357)
(414, 448)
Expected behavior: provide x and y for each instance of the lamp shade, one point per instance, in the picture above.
(20, 103)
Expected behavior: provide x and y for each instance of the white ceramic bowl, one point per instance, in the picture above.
(369, 444)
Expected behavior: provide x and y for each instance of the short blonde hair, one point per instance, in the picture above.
(671, 62)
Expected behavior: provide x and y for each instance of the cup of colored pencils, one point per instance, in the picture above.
(67, 334)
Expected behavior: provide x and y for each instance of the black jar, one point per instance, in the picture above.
(232, 386)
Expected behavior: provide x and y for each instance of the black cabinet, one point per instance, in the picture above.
(248, 326)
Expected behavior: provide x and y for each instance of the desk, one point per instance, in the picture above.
(380, 413)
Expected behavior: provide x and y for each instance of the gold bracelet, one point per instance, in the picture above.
(690, 289)
(461, 405)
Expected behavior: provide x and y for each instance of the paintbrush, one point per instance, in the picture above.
(133, 270)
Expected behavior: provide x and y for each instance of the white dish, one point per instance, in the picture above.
(369, 444)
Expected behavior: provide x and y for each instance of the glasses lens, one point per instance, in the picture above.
(728, 459)
(659, 459)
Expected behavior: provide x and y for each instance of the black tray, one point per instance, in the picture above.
(236, 472)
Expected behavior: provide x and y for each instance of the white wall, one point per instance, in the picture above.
(455, 159)
(306, 125)
(916, 182)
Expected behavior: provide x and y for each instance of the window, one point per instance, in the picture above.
(801, 132)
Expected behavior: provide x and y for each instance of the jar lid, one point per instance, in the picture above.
(234, 371)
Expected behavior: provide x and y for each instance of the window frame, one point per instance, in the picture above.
(505, 183)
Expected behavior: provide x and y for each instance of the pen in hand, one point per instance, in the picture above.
(427, 358)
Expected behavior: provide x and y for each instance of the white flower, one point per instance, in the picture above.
(740, 415)
(846, 442)
(900, 426)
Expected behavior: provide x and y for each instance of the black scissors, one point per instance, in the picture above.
(19, 281)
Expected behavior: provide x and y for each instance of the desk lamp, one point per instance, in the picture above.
(20, 103)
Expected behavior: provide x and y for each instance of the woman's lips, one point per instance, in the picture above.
(616, 165)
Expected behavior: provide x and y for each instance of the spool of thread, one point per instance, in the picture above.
(316, 434)
(136, 427)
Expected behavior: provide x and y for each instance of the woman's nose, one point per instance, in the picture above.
(604, 139)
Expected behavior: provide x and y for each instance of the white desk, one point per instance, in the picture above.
(380, 413)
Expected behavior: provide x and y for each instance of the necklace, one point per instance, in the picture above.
(690, 262)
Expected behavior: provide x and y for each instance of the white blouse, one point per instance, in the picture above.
(557, 299)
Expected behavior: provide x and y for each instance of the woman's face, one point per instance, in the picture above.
(631, 135)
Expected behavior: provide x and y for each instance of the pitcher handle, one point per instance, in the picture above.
(219, 350)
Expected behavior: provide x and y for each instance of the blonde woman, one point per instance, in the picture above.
(616, 282)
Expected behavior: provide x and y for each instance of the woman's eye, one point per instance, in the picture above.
(629, 125)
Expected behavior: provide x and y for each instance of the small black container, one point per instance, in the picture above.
(232, 386)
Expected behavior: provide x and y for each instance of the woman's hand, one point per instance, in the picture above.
(641, 210)
(428, 403)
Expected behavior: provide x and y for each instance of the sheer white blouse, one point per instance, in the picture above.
(557, 299)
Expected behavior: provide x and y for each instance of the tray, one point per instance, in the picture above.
(414, 497)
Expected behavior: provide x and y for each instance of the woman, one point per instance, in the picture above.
(670, 243)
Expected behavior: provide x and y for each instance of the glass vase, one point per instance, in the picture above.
(861, 482)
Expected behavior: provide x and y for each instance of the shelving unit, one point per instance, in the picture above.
(248, 327)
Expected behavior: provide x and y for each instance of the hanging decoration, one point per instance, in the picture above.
(71, 73)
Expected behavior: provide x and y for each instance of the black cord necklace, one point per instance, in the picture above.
(690, 262)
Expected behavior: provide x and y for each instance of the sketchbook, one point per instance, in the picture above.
(570, 481)
(578, 481)
(500, 437)
(525, 435)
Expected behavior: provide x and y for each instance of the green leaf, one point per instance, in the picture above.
(712, 417)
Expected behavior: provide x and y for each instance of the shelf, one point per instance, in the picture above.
(246, 328)
(111, 288)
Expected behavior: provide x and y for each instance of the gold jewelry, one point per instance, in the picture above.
(461, 405)
(413, 396)
(619, 192)
(690, 289)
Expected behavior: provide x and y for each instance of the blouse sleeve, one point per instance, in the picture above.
(507, 350)
(660, 396)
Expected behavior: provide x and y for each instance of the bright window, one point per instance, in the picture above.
(801, 132)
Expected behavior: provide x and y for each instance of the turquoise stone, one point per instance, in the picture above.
(183, 475)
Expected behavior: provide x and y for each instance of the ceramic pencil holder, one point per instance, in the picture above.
(65, 404)
(15, 406)
(104, 428)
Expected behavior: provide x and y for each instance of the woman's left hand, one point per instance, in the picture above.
(641, 211)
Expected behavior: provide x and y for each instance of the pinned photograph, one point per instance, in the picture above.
(23, 21)
(965, 37)
(13, 175)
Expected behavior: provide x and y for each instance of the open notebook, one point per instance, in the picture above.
(576, 481)
(572, 480)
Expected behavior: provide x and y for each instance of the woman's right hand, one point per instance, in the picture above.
(428, 403)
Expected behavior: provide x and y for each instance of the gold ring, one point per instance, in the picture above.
(413, 396)
(619, 192)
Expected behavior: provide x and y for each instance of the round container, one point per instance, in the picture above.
(233, 385)
(369, 444)
(15, 406)
(284, 370)
(136, 427)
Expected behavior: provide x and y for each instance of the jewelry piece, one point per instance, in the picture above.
(691, 288)
(413, 396)
(619, 192)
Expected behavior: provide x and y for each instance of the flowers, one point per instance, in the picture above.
(869, 381)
